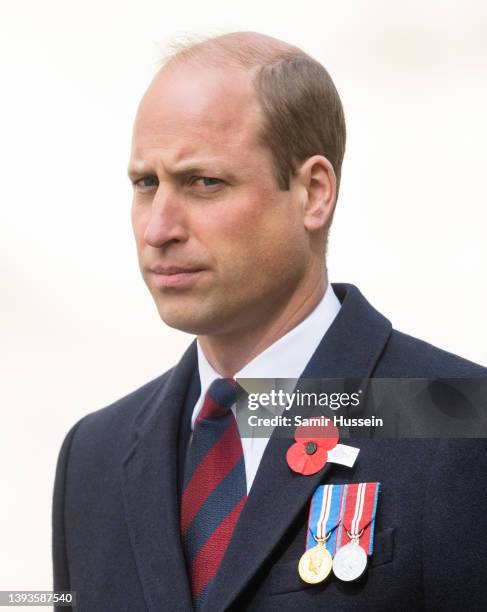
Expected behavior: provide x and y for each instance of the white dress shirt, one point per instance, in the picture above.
(286, 358)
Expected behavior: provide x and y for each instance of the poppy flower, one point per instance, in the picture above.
(309, 453)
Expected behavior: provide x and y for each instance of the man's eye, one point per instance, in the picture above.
(207, 181)
(147, 182)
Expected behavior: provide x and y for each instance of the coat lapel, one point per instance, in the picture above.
(149, 484)
(350, 349)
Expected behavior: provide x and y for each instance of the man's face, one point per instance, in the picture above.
(220, 246)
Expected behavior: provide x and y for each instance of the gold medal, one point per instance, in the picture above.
(316, 563)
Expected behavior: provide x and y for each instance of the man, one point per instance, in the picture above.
(236, 157)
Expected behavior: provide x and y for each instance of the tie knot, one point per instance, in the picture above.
(220, 397)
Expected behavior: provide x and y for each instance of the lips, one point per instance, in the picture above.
(170, 270)
(174, 277)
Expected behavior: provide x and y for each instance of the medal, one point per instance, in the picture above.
(357, 531)
(316, 563)
(350, 561)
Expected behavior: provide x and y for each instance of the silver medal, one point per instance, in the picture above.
(350, 562)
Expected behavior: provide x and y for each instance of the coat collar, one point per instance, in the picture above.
(350, 349)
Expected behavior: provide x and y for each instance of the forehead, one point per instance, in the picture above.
(189, 110)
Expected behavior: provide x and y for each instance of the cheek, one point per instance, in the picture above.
(139, 223)
(259, 215)
(260, 245)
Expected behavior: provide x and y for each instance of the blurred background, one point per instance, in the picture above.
(78, 327)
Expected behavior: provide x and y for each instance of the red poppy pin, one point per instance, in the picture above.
(309, 453)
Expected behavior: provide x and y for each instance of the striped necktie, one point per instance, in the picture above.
(214, 490)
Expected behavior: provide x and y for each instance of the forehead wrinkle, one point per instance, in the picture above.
(196, 147)
(154, 129)
(217, 164)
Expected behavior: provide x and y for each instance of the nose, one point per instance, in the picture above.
(166, 222)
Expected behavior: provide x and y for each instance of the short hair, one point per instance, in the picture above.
(302, 111)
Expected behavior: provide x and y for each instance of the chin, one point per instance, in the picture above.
(190, 323)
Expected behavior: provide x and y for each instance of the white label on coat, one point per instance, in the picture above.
(343, 455)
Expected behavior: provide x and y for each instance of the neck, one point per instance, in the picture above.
(229, 353)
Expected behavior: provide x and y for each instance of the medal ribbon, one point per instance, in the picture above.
(325, 514)
(359, 513)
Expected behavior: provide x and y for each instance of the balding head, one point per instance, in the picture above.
(248, 50)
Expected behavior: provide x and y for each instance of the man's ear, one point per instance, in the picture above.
(318, 179)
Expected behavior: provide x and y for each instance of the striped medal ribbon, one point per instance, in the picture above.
(325, 513)
(355, 537)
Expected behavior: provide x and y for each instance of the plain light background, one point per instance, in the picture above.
(79, 329)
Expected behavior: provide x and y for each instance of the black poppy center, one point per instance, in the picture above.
(311, 448)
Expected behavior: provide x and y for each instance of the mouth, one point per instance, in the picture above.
(169, 277)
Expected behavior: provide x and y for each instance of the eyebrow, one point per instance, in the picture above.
(139, 169)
